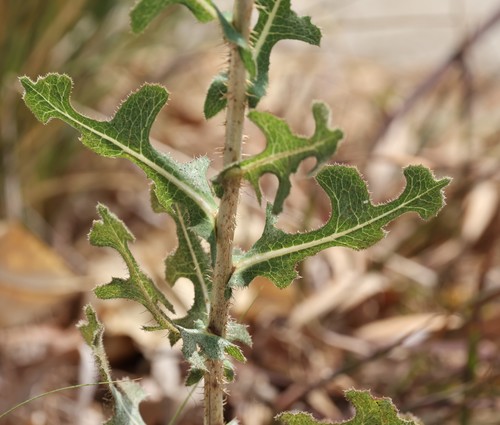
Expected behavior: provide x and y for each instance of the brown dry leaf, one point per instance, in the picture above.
(341, 295)
(416, 327)
(261, 301)
(34, 280)
(481, 205)
(321, 401)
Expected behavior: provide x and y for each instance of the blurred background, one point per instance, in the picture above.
(415, 318)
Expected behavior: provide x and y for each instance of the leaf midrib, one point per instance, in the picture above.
(170, 177)
(270, 255)
(207, 6)
(196, 263)
(265, 31)
(281, 155)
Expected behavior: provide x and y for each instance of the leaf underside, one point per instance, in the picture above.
(144, 11)
(126, 394)
(355, 223)
(276, 22)
(126, 135)
(369, 411)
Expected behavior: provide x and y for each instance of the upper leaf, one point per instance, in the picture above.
(285, 151)
(355, 223)
(111, 232)
(127, 136)
(126, 394)
(144, 11)
(276, 22)
(369, 411)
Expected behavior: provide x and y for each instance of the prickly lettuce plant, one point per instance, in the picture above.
(205, 210)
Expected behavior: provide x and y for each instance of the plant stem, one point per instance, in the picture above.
(226, 219)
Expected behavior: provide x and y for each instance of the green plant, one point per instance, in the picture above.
(209, 336)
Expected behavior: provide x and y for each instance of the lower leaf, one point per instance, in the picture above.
(369, 411)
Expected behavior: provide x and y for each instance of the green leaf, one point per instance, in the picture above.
(126, 394)
(210, 345)
(216, 96)
(109, 231)
(276, 22)
(238, 332)
(127, 136)
(233, 36)
(194, 376)
(191, 262)
(199, 345)
(285, 151)
(355, 223)
(144, 11)
(369, 411)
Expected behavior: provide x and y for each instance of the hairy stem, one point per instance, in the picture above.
(226, 219)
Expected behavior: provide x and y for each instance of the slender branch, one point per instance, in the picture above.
(226, 219)
(438, 74)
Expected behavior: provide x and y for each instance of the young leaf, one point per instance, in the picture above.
(199, 345)
(285, 151)
(109, 231)
(234, 37)
(127, 394)
(369, 411)
(355, 223)
(127, 136)
(238, 332)
(144, 11)
(276, 22)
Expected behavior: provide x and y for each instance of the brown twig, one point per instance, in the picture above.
(437, 74)
(297, 391)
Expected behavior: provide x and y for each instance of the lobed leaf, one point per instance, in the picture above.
(276, 22)
(369, 411)
(191, 262)
(126, 394)
(355, 223)
(144, 11)
(284, 151)
(109, 231)
(127, 136)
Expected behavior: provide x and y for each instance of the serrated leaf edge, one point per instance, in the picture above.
(245, 263)
(209, 211)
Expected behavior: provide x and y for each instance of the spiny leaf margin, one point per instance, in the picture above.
(276, 22)
(110, 231)
(354, 223)
(200, 345)
(369, 411)
(126, 135)
(127, 395)
(285, 151)
(190, 261)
